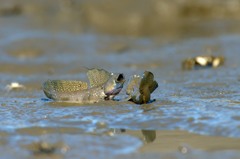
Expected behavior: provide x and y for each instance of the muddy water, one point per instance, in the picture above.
(195, 114)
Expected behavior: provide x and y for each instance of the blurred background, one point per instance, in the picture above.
(176, 18)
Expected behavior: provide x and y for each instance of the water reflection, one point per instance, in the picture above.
(121, 142)
(80, 145)
(147, 136)
(180, 141)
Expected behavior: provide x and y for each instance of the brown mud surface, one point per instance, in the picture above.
(195, 113)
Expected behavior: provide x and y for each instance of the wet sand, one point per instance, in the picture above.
(195, 114)
(177, 144)
(173, 141)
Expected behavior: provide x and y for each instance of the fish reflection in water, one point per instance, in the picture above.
(146, 136)
(149, 135)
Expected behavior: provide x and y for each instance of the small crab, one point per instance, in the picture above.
(203, 62)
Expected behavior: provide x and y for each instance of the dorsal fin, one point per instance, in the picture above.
(97, 76)
(53, 87)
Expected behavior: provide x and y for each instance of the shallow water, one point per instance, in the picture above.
(195, 111)
(200, 101)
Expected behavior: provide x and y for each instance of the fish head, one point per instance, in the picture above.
(133, 85)
(139, 88)
(114, 85)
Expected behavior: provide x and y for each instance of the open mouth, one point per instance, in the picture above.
(120, 78)
(114, 92)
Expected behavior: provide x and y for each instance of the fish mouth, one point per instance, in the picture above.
(114, 92)
(115, 87)
(120, 78)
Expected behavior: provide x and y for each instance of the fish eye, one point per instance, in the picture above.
(120, 78)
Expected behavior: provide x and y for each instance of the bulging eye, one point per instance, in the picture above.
(120, 78)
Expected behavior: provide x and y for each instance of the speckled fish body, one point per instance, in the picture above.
(91, 95)
(103, 86)
(139, 88)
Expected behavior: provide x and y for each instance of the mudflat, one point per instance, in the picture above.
(195, 112)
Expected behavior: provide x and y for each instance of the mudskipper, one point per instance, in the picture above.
(140, 88)
(103, 86)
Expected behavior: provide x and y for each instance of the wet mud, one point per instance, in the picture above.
(193, 113)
